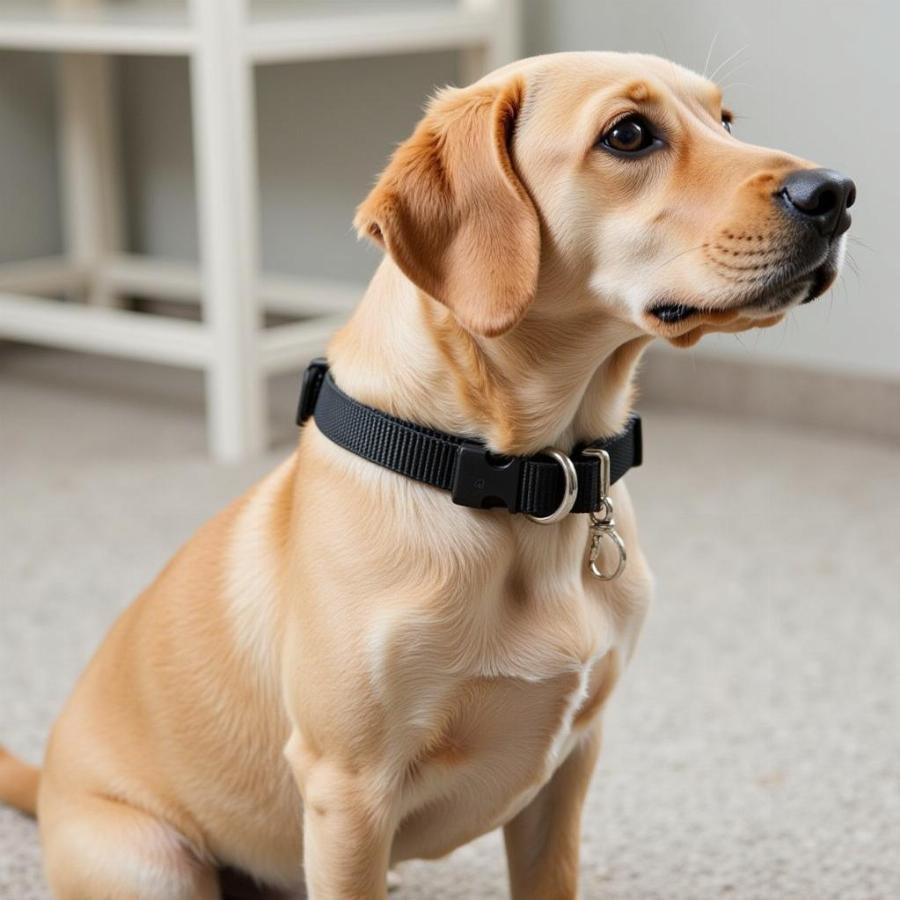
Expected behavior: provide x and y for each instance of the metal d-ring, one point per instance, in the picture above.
(569, 493)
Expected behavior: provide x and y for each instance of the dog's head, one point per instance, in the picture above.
(610, 177)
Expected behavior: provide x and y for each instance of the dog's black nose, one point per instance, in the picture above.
(822, 197)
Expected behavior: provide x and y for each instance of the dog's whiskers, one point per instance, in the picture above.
(733, 71)
(725, 62)
(734, 84)
(712, 45)
(861, 243)
(673, 258)
(854, 267)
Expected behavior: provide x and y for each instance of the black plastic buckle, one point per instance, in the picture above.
(309, 388)
(483, 481)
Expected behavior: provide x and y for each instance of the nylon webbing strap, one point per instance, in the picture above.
(526, 484)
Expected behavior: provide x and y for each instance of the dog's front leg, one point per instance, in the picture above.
(542, 841)
(347, 828)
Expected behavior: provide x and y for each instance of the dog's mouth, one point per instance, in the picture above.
(772, 298)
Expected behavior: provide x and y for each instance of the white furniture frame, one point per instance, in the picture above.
(224, 40)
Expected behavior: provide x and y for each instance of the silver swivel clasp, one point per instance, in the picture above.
(602, 526)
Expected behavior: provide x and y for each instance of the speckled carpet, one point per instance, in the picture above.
(753, 749)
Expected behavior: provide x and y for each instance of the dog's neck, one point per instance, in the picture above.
(561, 375)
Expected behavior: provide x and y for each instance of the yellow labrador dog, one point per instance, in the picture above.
(345, 669)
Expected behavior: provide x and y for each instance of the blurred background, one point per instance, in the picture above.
(177, 183)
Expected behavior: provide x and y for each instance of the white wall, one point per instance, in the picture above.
(819, 78)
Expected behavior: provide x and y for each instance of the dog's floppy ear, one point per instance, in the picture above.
(454, 215)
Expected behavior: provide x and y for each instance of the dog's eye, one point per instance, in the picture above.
(726, 124)
(629, 136)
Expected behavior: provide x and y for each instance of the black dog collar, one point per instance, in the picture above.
(542, 486)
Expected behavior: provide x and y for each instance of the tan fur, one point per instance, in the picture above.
(344, 669)
(18, 783)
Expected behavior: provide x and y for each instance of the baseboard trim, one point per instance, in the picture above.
(860, 404)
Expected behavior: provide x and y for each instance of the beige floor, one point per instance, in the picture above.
(753, 750)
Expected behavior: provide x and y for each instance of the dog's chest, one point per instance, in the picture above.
(492, 706)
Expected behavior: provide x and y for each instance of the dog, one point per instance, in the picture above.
(344, 669)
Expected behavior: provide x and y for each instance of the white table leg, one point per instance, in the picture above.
(225, 155)
(90, 167)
